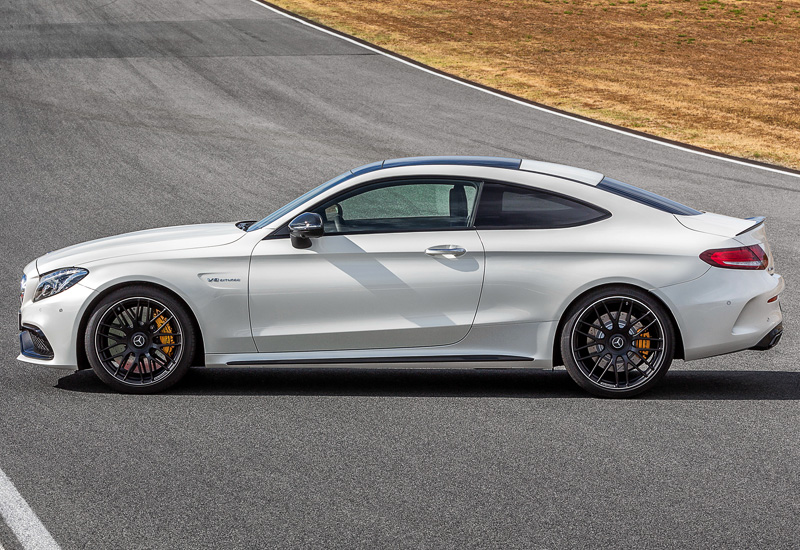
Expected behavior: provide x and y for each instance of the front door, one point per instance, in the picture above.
(399, 266)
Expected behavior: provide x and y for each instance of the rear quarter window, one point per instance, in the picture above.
(504, 206)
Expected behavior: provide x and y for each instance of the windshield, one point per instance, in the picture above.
(282, 211)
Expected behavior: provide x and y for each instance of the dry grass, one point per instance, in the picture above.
(722, 74)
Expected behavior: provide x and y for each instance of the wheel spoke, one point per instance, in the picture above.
(608, 311)
(166, 323)
(645, 328)
(162, 346)
(162, 362)
(598, 327)
(640, 371)
(130, 368)
(586, 346)
(642, 316)
(595, 366)
(642, 357)
(117, 355)
(602, 374)
(125, 318)
(120, 363)
(595, 354)
(627, 370)
(595, 338)
(118, 344)
(599, 316)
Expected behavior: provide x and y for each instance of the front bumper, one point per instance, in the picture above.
(56, 321)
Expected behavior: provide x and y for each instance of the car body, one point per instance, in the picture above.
(424, 262)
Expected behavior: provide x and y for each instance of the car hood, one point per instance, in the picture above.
(141, 242)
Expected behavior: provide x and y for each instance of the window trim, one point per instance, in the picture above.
(283, 231)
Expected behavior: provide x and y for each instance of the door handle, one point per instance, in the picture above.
(446, 250)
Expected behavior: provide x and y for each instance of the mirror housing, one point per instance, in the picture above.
(305, 227)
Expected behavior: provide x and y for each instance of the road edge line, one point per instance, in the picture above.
(528, 103)
(22, 520)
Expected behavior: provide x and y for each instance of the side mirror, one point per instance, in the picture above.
(304, 227)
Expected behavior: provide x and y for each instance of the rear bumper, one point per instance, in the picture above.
(725, 311)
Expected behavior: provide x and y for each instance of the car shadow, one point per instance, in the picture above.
(677, 385)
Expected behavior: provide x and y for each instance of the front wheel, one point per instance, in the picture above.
(617, 342)
(139, 340)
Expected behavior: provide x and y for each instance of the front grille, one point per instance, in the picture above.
(34, 343)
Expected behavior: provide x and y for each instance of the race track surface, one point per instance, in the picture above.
(130, 114)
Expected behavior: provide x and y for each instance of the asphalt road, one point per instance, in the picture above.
(118, 116)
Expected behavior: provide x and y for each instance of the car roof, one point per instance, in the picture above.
(579, 175)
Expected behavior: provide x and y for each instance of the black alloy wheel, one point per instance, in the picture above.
(617, 342)
(139, 340)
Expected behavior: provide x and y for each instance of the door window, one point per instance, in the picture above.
(399, 206)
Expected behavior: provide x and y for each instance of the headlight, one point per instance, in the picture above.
(22, 284)
(57, 281)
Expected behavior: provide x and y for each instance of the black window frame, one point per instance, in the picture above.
(603, 214)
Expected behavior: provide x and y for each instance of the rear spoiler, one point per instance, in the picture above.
(757, 220)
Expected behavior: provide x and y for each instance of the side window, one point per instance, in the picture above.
(508, 207)
(401, 205)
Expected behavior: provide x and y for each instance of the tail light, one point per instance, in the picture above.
(746, 257)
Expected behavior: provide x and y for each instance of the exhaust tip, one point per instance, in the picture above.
(770, 340)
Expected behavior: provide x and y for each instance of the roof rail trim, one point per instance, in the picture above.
(371, 167)
(494, 162)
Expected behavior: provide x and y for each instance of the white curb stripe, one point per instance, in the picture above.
(525, 104)
(23, 521)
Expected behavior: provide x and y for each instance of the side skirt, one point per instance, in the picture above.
(392, 360)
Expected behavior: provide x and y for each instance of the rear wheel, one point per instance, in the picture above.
(139, 340)
(617, 342)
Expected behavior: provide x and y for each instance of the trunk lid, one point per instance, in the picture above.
(747, 231)
(717, 224)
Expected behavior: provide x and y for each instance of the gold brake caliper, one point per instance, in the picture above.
(642, 346)
(161, 322)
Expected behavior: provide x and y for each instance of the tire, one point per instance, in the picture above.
(617, 342)
(139, 339)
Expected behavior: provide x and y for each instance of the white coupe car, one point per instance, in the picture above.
(419, 262)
